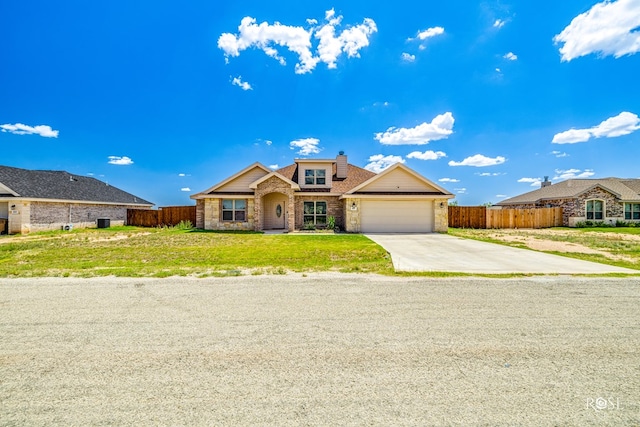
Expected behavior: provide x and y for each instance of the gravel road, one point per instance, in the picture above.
(320, 349)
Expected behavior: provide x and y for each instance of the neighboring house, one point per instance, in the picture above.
(607, 199)
(37, 200)
(304, 194)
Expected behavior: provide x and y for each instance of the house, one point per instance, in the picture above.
(607, 199)
(308, 192)
(38, 200)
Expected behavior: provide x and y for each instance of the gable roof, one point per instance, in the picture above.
(623, 189)
(398, 168)
(256, 165)
(355, 177)
(61, 185)
(257, 182)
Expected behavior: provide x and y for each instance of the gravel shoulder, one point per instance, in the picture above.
(320, 349)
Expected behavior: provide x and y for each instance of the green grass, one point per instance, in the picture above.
(622, 252)
(137, 252)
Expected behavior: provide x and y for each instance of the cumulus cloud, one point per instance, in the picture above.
(510, 56)
(622, 124)
(427, 34)
(21, 129)
(274, 167)
(535, 182)
(408, 57)
(185, 189)
(573, 174)
(378, 162)
(237, 81)
(439, 128)
(479, 160)
(427, 155)
(608, 28)
(121, 161)
(298, 40)
(448, 180)
(306, 146)
(499, 23)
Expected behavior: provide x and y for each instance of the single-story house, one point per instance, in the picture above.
(38, 200)
(608, 199)
(308, 192)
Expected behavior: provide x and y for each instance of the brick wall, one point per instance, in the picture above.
(334, 208)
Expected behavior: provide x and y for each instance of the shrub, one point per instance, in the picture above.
(184, 225)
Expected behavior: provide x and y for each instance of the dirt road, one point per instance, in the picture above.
(320, 350)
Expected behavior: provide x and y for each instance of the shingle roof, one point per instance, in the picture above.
(355, 176)
(61, 185)
(624, 189)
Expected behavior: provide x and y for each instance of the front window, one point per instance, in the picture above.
(595, 209)
(315, 177)
(315, 213)
(632, 211)
(234, 210)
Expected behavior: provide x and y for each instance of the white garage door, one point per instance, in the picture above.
(401, 216)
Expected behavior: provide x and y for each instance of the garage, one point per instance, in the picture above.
(396, 216)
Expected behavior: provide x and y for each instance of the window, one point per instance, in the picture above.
(632, 211)
(315, 213)
(234, 210)
(594, 209)
(315, 177)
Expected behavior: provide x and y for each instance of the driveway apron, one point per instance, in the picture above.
(445, 253)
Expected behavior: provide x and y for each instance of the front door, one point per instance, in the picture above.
(275, 213)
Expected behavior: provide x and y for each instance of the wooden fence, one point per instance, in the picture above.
(169, 215)
(481, 217)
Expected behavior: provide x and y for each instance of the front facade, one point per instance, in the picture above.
(313, 193)
(609, 200)
(37, 200)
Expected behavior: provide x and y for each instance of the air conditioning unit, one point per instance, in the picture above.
(67, 227)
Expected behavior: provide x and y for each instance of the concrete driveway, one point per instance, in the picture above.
(442, 252)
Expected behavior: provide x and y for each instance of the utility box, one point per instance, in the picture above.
(104, 223)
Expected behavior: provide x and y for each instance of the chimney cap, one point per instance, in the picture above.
(341, 153)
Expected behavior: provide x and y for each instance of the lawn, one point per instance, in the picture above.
(619, 246)
(154, 252)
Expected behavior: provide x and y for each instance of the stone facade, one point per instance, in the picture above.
(26, 217)
(212, 212)
(274, 185)
(352, 215)
(441, 215)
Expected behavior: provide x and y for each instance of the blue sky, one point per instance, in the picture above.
(164, 99)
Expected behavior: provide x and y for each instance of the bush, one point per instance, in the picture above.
(184, 225)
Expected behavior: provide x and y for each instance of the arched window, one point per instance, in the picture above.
(595, 209)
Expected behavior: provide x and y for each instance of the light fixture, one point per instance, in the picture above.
(13, 206)
(354, 206)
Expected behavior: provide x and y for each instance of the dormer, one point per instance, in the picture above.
(315, 173)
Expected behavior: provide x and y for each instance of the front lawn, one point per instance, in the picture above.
(136, 252)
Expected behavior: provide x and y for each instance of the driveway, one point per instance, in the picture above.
(442, 252)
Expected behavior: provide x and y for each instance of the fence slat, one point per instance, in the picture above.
(481, 217)
(169, 216)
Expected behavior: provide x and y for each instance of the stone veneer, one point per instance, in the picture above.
(274, 185)
(212, 216)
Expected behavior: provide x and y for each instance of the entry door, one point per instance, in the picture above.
(275, 214)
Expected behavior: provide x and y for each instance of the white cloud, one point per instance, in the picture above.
(184, 174)
(21, 129)
(501, 196)
(559, 154)
(489, 174)
(479, 160)
(439, 128)
(185, 189)
(267, 37)
(622, 124)
(535, 182)
(498, 70)
(608, 28)
(430, 32)
(510, 56)
(408, 57)
(499, 23)
(448, 180)
(378, 162)
(237, 81)
(462, 190)
(306, 145)
(573, 174)
(121, 161)
(274, 167)
(268, 142)
(427, 155)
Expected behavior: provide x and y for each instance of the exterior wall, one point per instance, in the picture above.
(352, 215)
(242, 182)
(335, 207)
(212, 217)
(328, 170)
(275, 185)
(200, 213)
(441, 215)
(398, 181)
(29, 217)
